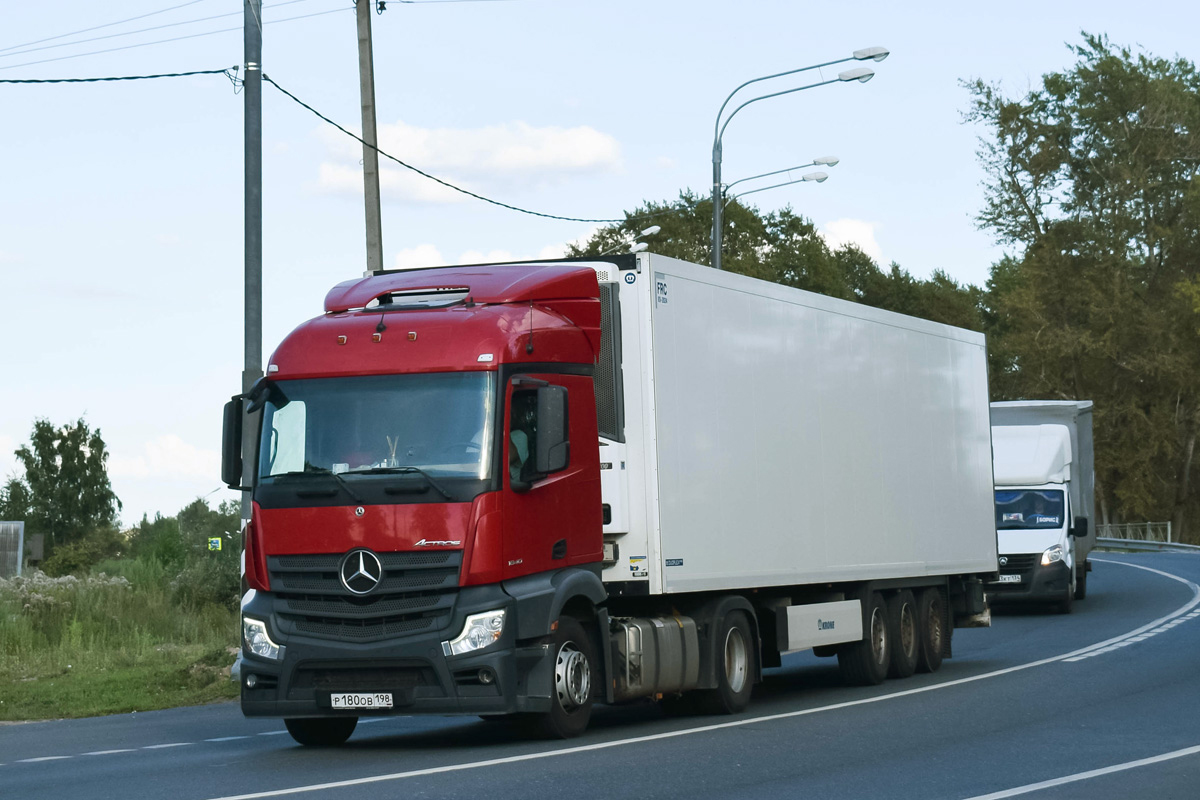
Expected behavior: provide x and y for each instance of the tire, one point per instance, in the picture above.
(931, 629)
(902, 630)
(576, 678)
(736, 654)
(321, 731)
(1081, 582)
(1065, 605)
(866, 662)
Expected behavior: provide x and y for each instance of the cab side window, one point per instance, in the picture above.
(522, 437)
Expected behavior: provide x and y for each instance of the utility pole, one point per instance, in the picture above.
(366, 90)
(252, 92)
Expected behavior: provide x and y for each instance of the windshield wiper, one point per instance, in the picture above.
(406, 471)
(322, 473)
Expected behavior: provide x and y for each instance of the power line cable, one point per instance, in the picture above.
(424, 174)
(230, 73)
(175, 39)
(98, 27)
(139, 30)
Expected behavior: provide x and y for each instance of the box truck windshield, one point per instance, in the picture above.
(1028, 509)
(438, 424)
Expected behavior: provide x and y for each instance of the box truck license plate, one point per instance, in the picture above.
(1009, 579)
(361, 700)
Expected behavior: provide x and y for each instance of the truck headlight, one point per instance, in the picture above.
(478, 632)
(1053, 554)
(257, 641)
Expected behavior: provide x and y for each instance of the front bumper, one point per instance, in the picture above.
(413, 668)
(1038, 584)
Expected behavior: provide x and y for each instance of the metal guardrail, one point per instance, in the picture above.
(1142, 546)
(1139, 531)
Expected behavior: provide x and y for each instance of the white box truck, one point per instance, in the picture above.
(1045, 500)
(602, 480)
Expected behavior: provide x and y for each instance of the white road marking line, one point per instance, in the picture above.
(1160, 625)
(272, 733)
(395, 776)
(163, 746)
(226, 738)
(1083, 776)
(108, 752)
(42, 758)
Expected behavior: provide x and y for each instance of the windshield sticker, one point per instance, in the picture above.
(1039, 519)
(638, 566)
(1014, 516)
(674, 562)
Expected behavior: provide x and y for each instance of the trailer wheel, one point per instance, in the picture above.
(321, 731)
(931, 631)
(1081, 582)
(735, 653)
(902, 630)
(575, 676)
(865, 662)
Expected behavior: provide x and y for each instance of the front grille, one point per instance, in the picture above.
(362, 679)
(416, 593)
(1019, 564)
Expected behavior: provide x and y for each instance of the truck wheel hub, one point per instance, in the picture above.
(572, 677)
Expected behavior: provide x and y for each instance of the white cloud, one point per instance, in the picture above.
(167, 456)
(507, 154)
(423, 255)
(492, 256)
(841, 232)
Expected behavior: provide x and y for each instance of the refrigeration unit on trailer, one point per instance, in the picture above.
(1044, 500)
(526, 488)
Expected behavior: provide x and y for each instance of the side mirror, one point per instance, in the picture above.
(231, 444)
(553, 447)
(1080, 529)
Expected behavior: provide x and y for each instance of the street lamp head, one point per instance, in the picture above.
(860, 74)
(653, 229)
(639, 247)
(826, 161)
(818, 177)
(871, 53)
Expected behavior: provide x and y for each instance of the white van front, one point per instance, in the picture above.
(1037, 556)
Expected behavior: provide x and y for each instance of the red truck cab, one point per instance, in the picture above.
(426, 502)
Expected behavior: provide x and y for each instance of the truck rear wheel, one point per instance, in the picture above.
(902, 630)
(865, 662)
(321, 731)
(575, 676)
(931, 630)
(735, 660)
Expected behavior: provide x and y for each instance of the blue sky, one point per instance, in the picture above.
(121, 232)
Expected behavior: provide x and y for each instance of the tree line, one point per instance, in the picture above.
(1092, 184)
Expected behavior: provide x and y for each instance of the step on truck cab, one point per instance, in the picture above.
(1044, 500)
(521, 489)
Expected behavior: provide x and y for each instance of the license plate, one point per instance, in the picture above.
(361, 700)
(1009, 579)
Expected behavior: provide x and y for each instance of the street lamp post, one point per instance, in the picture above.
(812, 177)
(861, 74)
(824, 161)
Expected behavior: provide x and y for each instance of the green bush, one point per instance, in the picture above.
(209, 581)
(76, 558)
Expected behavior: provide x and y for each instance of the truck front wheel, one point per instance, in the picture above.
(575, 676)
(321, 731)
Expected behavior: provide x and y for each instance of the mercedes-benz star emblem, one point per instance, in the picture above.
(361, 571)
(1003, 561)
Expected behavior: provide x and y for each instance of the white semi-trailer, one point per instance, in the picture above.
(1045, 500)
(525, 488)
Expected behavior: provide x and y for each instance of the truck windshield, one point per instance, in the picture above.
(441, 424)
(1029, 508)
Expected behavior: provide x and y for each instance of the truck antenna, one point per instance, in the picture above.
(529, 344)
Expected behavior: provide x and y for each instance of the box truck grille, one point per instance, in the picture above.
(1019, 564)
(416, 593)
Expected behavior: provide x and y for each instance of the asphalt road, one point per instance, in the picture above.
(1103, 703)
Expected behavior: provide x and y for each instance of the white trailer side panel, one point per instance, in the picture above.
(802, 439)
